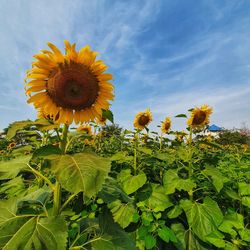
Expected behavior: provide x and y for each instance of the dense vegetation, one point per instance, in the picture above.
(120, 189)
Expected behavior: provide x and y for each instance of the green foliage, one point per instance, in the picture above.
(83, 172)
(121, 189)
(232, 137)
(10, 169)
(204, 218)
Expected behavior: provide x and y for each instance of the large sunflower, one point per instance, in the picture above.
(70, 86)
(199, 117)
(166, 125)
(142, 119)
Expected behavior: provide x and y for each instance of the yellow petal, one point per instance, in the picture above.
(44, 59)
(57, 52)
(37, 97)
(106, 85)
(36, 83)
(34, 89)
(105, 77)
(37, 76)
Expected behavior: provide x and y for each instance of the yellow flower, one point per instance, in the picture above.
(86, 129)
(88, 142)
(2, 152)
(166, 125)
(180, 136)
(70, 86)
(199, 117)
(11, 145)
(142, 119)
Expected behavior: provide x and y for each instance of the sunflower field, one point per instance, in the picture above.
(73, 179)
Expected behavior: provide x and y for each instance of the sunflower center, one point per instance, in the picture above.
(143, 120)
(74, 87)
(167, 125)
(199, 117)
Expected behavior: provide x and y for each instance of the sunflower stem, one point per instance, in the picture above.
(190, 165)
(135, 151)
(161, 142)
(64, 139)
(57, 189)
(190, 139)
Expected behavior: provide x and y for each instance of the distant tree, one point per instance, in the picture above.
(244, 130)
(233, 137)
(111, 130)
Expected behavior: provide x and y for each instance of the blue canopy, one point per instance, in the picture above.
(214, 128)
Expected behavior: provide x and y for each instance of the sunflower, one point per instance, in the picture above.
(88, 142)
(11, 145)
(199, 117)
(142, 119)
(86, 129)
(180, 136)
(166, 125)
(70, 86)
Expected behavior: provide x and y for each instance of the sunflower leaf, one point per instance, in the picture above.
(82, 172)
(107, 114)
(10, 169)
(181, 116)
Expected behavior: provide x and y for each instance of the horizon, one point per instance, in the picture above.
(166, 56)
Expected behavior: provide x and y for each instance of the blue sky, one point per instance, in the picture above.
(165, 55)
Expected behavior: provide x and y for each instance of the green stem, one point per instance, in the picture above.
(57, 190)
(57, 199)
(160, 142)
(190, 165)
(135, 152)
(68, 201)
(63, 141)
(190, 139)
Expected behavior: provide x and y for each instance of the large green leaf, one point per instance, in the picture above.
(16, 126)
(30, 232)
(179, 232)
(217, 178)
(244, 188)
(158, 200)
(204, 218)
(46, 151)
(20, 151)
(111, 191)
(175, 212)
(122, 212)
(10, 169)
(246, 201)
(39, 196)
(167, 234)
(245, 234)
(114, 237)
(103, 242)
(172, 181)
(38, 234)
(193, 242)
(131, 183)
(13, 187)
(216, 238)
(83, 172)
(232, 222)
